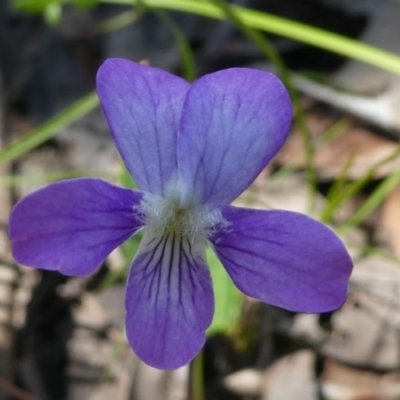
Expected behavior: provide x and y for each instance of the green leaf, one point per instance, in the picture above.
(228, 299)
(125, 178)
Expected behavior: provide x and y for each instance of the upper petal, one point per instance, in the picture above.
(169, 300)
(284, 258)
(72, 226)
(143, 106)
(233, 122)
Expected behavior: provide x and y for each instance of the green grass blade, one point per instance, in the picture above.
(373, 202)
(119, 21)
(334, 131)
(336, 191)
(15, 180)
(285, 27)
(188, 61)
(50, 128)
(353, 188)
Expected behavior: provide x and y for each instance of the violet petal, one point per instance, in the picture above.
(72, 226)
(233, 122)
(284, 258)
(143, 106)
(169, 300)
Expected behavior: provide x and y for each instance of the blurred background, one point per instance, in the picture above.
(63, 338)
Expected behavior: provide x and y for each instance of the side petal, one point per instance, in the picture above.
(143, 106)
(169, 300)
(72, 226)
(284, 258)
(233, 122)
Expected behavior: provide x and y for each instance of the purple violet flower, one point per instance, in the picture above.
(192, 149)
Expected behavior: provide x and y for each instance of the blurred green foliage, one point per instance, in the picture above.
(40, 6)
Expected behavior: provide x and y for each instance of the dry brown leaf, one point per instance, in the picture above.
(340, 382)
(291, 377)
(365, 330)
(246, 382)
(289, 193)
(356, 145)
(368, 323)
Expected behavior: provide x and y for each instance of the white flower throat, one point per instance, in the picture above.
(166, 217)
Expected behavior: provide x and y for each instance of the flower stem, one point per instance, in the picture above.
(196, 386)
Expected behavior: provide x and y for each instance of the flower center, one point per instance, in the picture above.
(167, 217)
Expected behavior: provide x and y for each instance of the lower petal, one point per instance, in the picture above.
(72, 226)
(284, 258)
(169, 300)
